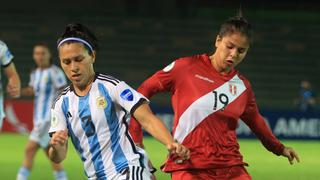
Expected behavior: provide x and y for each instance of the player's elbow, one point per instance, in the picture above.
(55, 156)
(57, 159)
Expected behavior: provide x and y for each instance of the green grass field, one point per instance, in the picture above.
(263, 165)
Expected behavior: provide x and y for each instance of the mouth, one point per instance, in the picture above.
(230, 62)
(75, 77)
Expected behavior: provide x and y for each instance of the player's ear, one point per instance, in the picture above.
(218, 40)
(94, 56)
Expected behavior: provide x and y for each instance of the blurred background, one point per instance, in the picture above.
(139, 37)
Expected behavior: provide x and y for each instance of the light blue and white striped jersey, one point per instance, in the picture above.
(46, 84)
(97, 125)
(5, 60)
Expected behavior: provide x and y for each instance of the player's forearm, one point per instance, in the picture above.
(152, 124)
(27, 91)
(265, 135)
(12, 75)
(158, 130)
(57, 154)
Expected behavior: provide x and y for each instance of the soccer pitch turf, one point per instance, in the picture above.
(263, 164)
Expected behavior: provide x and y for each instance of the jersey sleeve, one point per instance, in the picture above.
(58, 121)
(162, 81)
(127, 97)
(59, 79)
(257, 124)
(31, 81)
(5, 55)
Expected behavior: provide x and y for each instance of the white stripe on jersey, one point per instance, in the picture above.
(75, 125)
(206, 105)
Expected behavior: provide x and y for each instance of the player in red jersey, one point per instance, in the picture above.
(209, 97)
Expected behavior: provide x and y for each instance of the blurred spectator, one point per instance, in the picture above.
(307, 100)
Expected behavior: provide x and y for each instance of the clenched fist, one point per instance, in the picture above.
(59, 138)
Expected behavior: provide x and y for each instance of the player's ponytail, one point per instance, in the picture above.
(236, 24)
(76, 31)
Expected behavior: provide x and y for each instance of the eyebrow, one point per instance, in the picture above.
(229, 42)
(72, 58)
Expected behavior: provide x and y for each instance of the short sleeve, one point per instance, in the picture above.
(5, 55)
(31, 81)
(128, 98)
(164, 80)
(59, 79)
(58, 121)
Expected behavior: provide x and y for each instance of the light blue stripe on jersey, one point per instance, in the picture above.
(37, 92)
(118, 157)
(48, 89)
(89, 129)
(75, 140)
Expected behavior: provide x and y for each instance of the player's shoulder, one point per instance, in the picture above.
(62, 94)
(183, 63)
(33, 70)
(3, 47)
(2, 44)
(107, 80)
(54, 68)
(190, 59)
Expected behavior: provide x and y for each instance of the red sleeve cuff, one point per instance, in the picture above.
(279, 150)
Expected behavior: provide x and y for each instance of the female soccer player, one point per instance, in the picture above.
(45, 83)
(13, 86)
(93, 111)
(209, 97)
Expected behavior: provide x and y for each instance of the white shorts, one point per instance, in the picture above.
(40, 134)
(1, 122)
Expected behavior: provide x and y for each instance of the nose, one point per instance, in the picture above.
(234, 52)
(74, 66)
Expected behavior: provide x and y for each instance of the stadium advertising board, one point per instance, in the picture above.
(284, 124)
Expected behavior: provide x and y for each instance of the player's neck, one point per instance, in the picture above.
(84, 90)
(217, 67)
(46, 66)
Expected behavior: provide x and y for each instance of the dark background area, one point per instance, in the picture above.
(139, 37)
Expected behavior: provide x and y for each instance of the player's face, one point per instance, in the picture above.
(231, 50)
(41, 56)
(77, 64)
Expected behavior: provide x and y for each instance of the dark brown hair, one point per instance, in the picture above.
(236, 24)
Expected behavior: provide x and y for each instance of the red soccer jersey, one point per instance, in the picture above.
(207, 107)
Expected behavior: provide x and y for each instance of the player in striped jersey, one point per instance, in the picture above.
(94, 111)
(45, 82)
(13, 86)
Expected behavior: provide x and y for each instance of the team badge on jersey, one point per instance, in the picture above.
(127, 95)
(54, 121)
(233, 89)
(101, 102)
(169, 67)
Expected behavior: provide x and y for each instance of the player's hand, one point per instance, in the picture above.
(290, 154)
(13, 89)
(177, 149)
(59, 138)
